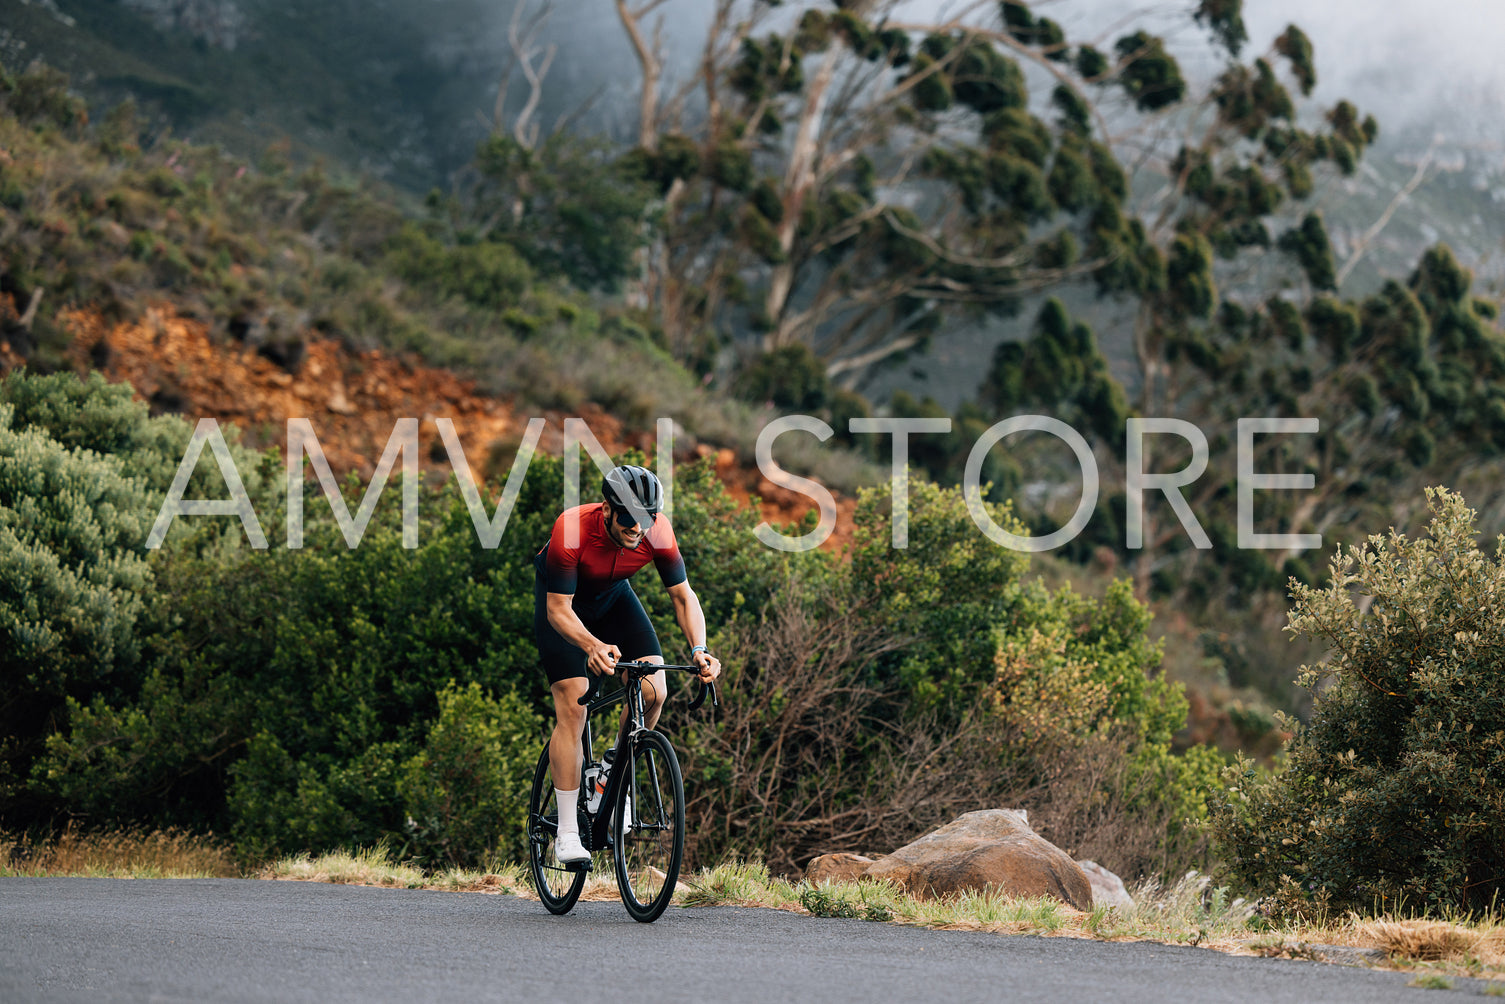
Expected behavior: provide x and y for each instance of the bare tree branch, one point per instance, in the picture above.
(650, 61)
(1395, 203)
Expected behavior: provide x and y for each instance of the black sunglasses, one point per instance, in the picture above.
(626, 520)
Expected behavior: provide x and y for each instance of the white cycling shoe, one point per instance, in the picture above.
(569, 850)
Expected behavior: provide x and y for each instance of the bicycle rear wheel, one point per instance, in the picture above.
(648, 827)
(558, 885)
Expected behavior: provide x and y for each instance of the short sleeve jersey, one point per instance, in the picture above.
(594, 561)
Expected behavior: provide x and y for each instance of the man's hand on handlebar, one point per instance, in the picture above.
(710, 666)
(603, 659)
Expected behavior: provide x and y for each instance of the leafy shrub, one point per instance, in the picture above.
(1083, 722)
(464, 793)
(487, 274)
(72, 583)
(85, 467)
(792, 377)
(39, 96)
(291, 691)
(1396, 791)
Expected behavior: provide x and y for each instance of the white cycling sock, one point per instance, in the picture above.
(569, 822)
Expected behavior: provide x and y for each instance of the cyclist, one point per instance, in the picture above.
(587, 618)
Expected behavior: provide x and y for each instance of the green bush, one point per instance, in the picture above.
(94, 616)
(1395, 793)
(291, 691)
(466, 793)
(485, 274)
(73, 585)
(792, 377)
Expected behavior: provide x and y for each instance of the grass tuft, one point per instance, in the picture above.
(368, 866)
(1431, 981)
(1434, 940)
(377, 866)
(737, 883)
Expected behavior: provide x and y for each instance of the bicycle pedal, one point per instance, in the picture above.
(579, 866)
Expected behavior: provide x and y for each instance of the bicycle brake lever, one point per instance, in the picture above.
(590, 692)
(706, 688)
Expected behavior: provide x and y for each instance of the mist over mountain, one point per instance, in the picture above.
(403, 90)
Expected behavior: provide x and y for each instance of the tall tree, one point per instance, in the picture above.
(1243, 322)
(837, 177)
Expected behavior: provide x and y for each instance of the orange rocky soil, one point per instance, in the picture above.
(352, 400)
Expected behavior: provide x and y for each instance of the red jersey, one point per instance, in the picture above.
(597, 562)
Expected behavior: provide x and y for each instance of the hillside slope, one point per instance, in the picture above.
(352, 400)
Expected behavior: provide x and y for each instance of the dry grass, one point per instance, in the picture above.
(376, 866)
(1477, 947)
(131, 853)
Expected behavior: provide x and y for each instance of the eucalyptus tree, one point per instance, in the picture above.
(842, 177)
(1244, 321)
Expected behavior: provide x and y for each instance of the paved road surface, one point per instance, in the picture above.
(231, 940)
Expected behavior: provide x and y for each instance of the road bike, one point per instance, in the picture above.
(638, 814)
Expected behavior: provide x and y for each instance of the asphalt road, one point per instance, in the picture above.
(229, 940)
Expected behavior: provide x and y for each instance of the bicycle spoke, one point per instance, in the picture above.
(650, 839)
(558, 886)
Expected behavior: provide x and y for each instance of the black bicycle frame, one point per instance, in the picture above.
(631, 691)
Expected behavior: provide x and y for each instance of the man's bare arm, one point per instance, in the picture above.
(691, 620)
(599, 656)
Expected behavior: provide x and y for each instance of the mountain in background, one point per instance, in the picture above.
(402, 92)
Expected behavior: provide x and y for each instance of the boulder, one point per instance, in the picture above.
(836, 868)
(989, 848)
(1107, 888)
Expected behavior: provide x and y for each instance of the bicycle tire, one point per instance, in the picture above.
(558, 886)
(648, 840)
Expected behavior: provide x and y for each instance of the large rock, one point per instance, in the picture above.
(990, 848)
(836, 868)
(1107, 888)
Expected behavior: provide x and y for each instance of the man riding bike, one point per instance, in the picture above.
(586, 617)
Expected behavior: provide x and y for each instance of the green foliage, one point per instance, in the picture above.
(39, 98)
(945, 595)
(1071, 672)
(1062, 366)
(73, 581)
(1091, 64)
(1309, 244)
(1225, 19)
(823, 901)
(311, 699)
(1189, 279)
(462, 793)
(1394, 792)
(570, 207)
(791, 377)
(852, 676)
(1147, 73)
(1297, 49)
(486, 274)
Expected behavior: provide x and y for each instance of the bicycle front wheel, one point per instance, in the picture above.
(648, 827)
(558, 885)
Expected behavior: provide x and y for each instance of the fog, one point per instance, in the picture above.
(1412, 64)
(1417, 67)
